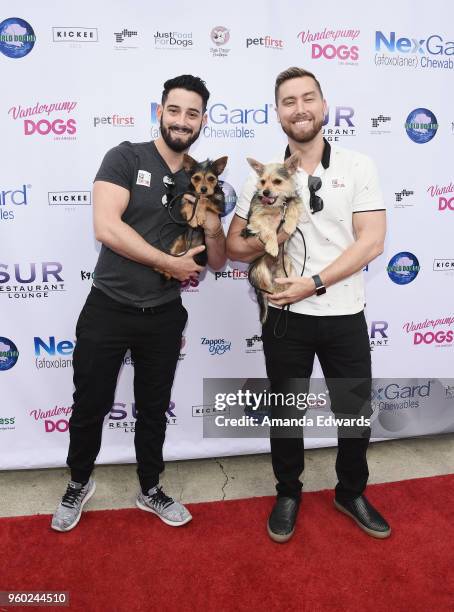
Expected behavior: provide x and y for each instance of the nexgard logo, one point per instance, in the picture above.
(430, 52)
(51, 353)
(227, 122)
(11, 200)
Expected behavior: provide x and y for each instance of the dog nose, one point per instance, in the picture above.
(203, 189)
(266, 192)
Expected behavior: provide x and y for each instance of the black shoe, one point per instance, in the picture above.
(281, 523)
(365, 516)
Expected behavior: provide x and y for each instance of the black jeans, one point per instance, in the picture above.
(106, 329)
(341, 344)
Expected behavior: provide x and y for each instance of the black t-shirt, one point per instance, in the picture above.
(139, 168)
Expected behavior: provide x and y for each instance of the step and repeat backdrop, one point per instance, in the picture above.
(79, 78)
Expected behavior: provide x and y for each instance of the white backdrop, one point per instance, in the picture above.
(92, 79)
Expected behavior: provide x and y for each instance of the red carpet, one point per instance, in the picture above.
(128, 560)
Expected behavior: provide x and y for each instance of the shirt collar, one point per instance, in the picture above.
(326, 155)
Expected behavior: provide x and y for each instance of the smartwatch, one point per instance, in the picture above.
(320, 288)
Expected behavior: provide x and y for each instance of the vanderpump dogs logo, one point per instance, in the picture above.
(13, 200)
(31, 280)
(17, 37)
(403, 268)
(75, 35)
(220, 36)
(173, 40)
(54, 420)
(433, 51)
(51, 353)
(216, 346)
(442, 196)
(324, 44)
(339, 123)
(421, 125)
(123, 416)
(404, 199)
(57, 122)
(433, 332)
(9, 354)
(378, 334)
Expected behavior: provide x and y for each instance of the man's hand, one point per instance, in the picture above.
(300, 288)
(183, 268)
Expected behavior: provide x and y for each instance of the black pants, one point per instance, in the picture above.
(106, 329)
(341, 344)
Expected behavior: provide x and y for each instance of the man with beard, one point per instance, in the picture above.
(344, 230)
(131, 306)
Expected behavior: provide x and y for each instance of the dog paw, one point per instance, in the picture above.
(272, 248)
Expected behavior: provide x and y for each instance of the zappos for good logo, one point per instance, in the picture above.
(421, 125)
(8, 354)
(17, 37)
(217, 346)
(403, 268)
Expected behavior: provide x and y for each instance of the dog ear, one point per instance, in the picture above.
(255, 165)
(292, 162)
(219, 165)
(188, 163)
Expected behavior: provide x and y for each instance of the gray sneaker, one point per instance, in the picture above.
(170, 511)
(67, 515)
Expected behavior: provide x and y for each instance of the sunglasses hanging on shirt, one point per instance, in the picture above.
(169, 183)
(316, 203)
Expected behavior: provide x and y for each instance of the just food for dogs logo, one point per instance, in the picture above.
(58, 120)
(173, 39)
(328, 44)
(218, 346)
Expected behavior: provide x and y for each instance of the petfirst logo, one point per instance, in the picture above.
(379, 125)
(31, 280)
(75, 35)
(403, 268)
(346, 53)
(8, 354)
(7, 423)
(220, 36)
(429, 52)
(421, 125)
(233, 274)
(254, 344)
(173, 40)
(428, 333)
(54, 420)
(397, 397)
(62, 128)
(343, 125)
(443, 196)
(378, 334)
(17, 37)
(218, 346)
(265, 41)
(50, 353)
(10, 199)
(69, 198)
(114, 121)
(121, 419)
(403, 198)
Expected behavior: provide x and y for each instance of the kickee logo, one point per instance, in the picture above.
(69, 198)
(7, 423)
(430, 52)
(443, 196)
(378, 334)
(50, 354)
(173, 40)
(403, 198)
(17, 37)
(343, 125)
(233, 274)
(75, 35)
(209, 410)
(379, 125)
(31, 280)
(218, 346)
(435, 336)
(254, 344)
(61, 128)
(265, 41)
(323, 45)
(220, 36)
(10, 199)
(114, 121)
(443, 265)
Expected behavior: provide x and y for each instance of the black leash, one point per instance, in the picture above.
(174, 221)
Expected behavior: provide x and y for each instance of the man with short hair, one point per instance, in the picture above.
(342, 230)
(131, 305)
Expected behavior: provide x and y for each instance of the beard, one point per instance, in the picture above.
(306, 136)
(180, 142)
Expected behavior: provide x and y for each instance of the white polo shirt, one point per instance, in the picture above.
(349, 185)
